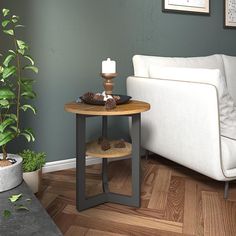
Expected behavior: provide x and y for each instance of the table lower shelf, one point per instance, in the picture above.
(94, 149)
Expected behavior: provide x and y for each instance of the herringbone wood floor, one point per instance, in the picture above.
(175, 201)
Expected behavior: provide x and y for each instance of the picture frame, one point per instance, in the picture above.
(230, 13)
(187, 6)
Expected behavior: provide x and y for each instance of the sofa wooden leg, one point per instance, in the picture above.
(226, 190)
(146, 154)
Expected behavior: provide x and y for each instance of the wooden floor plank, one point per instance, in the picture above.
(229, 216)
(76, 231)
(174, 201)
(149, 178)
(213, 215)
(159, 195)
(190, 208)
(118, 227)
(64, 221)
(47, 198)
(93, 232)
(127, 219)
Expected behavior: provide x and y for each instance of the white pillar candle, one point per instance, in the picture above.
(108, 66)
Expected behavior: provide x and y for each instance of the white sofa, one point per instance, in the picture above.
(183, 124)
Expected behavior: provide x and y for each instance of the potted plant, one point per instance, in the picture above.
(15, 91)
(32, 168)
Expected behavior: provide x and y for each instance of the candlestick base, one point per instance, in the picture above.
(108, 83)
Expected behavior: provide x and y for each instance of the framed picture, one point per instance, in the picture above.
(187, 6)
(230, 14)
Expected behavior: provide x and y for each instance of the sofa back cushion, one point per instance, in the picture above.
(227, 108)
(142, 63)
(230, 72)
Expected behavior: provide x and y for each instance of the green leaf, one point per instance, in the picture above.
(6, 214)
(14, 128)
(27, 82)
(28, 94)
(30, 59)
(22, 45)
(8, 71)
(32, 160)
(5, 12)
(12, 116)
(26, 107)
(33, 68)
(8, 59)
(5, 23)
(10, 31)
(4, 103)
(6, 93)
(5, 124)
(21, 51)
(15, 17)
(14, 198)
(21, 207)
(18, 26)
(6, 137)
(28, 134)
(11, 51)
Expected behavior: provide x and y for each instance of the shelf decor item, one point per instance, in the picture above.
(32, 168)
(87, 98)
(16, 89)
(106, 149)
(187, 6)
(230, 14)
(108, 73)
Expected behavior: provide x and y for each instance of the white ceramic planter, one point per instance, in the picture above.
(11, 176)
(33, 179)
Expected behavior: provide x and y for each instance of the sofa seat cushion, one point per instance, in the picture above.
(141, 63)
(227, 108)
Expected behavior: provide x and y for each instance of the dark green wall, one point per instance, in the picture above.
(70, 38)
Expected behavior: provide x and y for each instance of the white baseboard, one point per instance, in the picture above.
(71, 163)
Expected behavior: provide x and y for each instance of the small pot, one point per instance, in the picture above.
(33, 179)
(11, 176)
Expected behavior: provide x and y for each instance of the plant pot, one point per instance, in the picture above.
(11, 176)
(33, 179)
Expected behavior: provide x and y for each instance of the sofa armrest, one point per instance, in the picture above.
(183, 123)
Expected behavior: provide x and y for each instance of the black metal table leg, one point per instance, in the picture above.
(105, 185)
(133, 200)
(82, 202)
(80, 161)
(135, 135)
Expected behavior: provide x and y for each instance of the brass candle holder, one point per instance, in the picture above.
(108, 83)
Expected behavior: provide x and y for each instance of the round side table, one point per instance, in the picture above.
(132, 109)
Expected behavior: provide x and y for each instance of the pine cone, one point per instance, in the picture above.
(120, 144)
(88, 97)
(98, 97)
(105, 145)
(110, 104)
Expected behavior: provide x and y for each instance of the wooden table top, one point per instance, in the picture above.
(130, 108)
